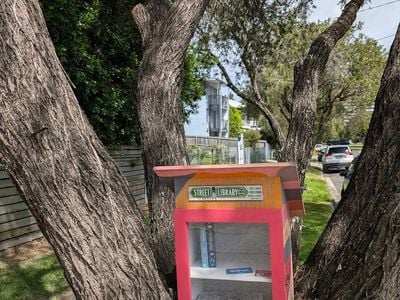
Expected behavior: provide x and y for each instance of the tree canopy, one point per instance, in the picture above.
(100, 51)
(235, 122)
(346, 89)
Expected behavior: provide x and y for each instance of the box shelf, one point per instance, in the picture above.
(204, 289)
(232, 260)
(237, 245)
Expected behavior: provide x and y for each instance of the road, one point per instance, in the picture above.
(336, 179)
(333, 181)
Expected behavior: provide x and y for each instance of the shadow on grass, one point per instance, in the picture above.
(314, 170)
(40, 279)
(315, 220)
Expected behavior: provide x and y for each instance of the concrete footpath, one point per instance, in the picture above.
(335, 193)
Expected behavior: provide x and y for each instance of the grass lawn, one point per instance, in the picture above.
(318, 211)
(40, 279)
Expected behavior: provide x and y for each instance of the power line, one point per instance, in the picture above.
(385, 37)
(380, 5)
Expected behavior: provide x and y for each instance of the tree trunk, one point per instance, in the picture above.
(307, 76)
(358, 254)
(79, 198)
(166, 33)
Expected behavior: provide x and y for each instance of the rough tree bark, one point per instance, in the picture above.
(358, 254)
(76, 193)
(307, 76)
(166, 33)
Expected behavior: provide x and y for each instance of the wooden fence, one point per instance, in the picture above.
(18, 226)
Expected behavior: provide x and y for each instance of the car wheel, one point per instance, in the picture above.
(324, 169)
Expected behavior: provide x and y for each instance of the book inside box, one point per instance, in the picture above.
(230, 261)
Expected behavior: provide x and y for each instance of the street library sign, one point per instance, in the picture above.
(226, 193)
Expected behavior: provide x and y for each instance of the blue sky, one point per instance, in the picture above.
(380, 17)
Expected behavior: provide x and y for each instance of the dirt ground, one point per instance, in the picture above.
(25, 253)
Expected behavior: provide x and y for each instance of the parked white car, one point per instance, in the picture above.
(337, 157)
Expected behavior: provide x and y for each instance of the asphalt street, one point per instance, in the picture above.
(334, 181)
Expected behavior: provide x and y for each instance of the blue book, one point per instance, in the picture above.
(212, 260)
(203, 247)
(239, 271)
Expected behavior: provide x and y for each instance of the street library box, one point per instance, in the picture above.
(232, 229)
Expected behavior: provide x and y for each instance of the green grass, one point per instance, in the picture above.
(317, 215)
(316, 191)
(40, 279)
(318, 211)
(356, 147)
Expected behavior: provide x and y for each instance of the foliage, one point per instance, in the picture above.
(214, 155)
(248, 33)
(334, 128)
(247, 36)
(197, 64)
(40, 279)
(357, 126)
(348, 86)
(101, 52)
(194, 154)
(235, 122)
(350, 83)
(276, 81)
(251, 137)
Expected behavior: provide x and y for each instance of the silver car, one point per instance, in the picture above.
(337, 157)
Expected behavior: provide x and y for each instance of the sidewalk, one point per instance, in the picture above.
(331, 187)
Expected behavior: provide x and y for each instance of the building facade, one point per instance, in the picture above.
(212, 118)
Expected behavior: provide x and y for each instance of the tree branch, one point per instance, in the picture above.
(326, 41)
(230, 83)
(148, 15)
(257, 101)
(285, 106)
(273, 122)
(307, 76)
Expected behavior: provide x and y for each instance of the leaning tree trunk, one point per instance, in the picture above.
(307, 76)
(80, 200)
(166, 34)
(358, 254)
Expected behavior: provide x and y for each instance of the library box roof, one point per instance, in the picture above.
(263, 185)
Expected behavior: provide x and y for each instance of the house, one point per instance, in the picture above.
(212, 118)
